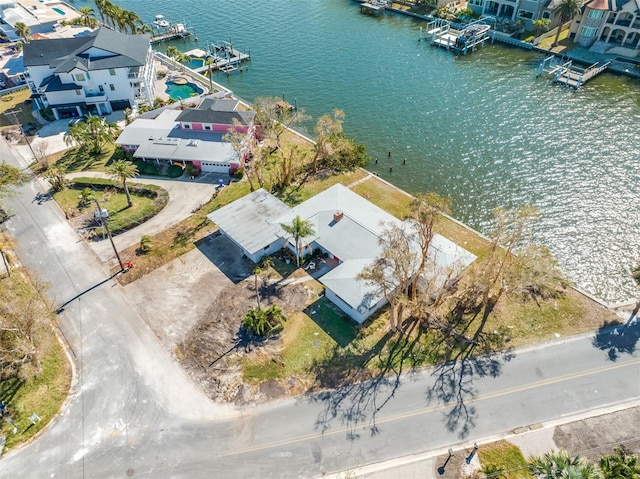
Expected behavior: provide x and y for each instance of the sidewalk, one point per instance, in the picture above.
(590, 434)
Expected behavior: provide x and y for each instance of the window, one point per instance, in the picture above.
(525, 14)
(588, 31)
(475, 2)
(112, 87)
(101, 88)
(78, 92)
(546, 15)
(112, 72)
(186, 126)
(79, 77)
(595, 13)
(207, 127)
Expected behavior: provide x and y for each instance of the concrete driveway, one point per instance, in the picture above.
(185, 195)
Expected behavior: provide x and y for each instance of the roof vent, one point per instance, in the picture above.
(337, 216)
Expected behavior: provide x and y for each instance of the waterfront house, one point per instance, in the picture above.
(97, 73)
(610, 26)
(347, 230)
(39, 16)
(191, 135)
(513, 11)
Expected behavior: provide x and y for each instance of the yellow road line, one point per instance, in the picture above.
(422, 411)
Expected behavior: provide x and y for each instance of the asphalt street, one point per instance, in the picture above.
(133, 412)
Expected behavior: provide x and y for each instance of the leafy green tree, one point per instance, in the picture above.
(566, 10)
(620, 465)
(560, 465)
(10, 177)
(298, 228)
(22, 30)
(264, 322)
(123, 170)
(94, 133)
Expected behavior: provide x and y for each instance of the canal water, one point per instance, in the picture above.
(480, 128)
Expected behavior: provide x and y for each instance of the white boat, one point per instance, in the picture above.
(471, 34)
(160, 22)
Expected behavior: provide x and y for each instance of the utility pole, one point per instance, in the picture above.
(13, 114)
(105, 223)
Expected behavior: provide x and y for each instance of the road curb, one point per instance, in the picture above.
(363, 471)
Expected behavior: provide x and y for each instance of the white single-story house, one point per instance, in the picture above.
(347, 228)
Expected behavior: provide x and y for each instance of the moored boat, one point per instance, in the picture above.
(471, 34)
(160, 22)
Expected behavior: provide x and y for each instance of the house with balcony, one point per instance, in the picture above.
(513, 10)
(610, 26)
(97, 74)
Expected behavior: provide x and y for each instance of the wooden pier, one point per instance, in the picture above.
(373, 8)
(174, 32)
(565, 73)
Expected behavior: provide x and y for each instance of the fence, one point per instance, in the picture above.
(7, 91)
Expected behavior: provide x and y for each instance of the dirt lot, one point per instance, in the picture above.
(196, 313)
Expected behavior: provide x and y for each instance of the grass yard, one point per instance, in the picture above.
(503, 456)
(121, 216)
(80, 159)
(44, 391)
(397, 203)
(16, 102)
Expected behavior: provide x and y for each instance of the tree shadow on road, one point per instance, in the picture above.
(617, 338)
(454, 387)
(358, 394)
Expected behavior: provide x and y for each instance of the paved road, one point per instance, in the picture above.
(134, 413)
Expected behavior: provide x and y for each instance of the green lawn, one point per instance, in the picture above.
(503, 456)
(121, 216)
(16, 102)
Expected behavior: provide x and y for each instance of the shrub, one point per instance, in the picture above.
(174, 171)
(264, 322)
(86, 197)
(191, 170)
(145, 244)
(239, 173)
(145, 168)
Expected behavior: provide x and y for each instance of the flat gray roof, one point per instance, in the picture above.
(248, 220)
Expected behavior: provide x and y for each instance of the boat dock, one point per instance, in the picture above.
(443, 34)
(567, 74)
(174, 32)
(373, 7)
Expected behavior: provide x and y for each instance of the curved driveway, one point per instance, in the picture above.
(133, 413)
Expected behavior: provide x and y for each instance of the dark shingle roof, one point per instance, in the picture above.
(221, 112)
(53, 83)
(65, 54)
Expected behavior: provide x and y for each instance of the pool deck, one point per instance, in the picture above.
(174, 74)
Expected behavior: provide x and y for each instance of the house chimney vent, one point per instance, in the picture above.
(337, 216)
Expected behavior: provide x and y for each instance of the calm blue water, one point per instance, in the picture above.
(480, 128)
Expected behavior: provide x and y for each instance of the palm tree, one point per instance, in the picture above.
(96, 132)
(298, 228)
(131, 20)
(635, 274)
(620, 465)
(23, 31)
(566, 10)
(210, 62)
(123, 170)
(560, 465)
(88, 17)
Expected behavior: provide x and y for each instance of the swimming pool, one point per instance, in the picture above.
(180, 92)
(58, 10)
(195, 62)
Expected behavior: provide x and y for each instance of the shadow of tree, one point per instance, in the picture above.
(618, 338)
(454, 386)
(358, 396)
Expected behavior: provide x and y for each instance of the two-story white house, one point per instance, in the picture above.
(98, 73)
